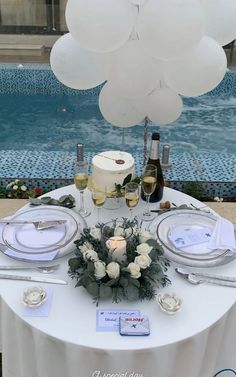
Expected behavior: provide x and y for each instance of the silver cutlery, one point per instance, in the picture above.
(33, 278)
(207, 275)
(193, 279)
(39, 225)
(43, 269)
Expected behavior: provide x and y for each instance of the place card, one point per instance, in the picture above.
(190, 237)
(108, 319)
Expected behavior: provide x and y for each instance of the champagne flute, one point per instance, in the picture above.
(81, 181)
(131, 196)
(98, 198)
(148, 183)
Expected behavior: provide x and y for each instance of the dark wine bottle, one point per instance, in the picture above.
(154, 159)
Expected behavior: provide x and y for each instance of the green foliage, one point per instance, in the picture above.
(194, 189)
(92, 251)
(67, 201)
(119, 189)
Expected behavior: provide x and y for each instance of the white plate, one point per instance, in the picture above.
(27, 243)
(195, 255)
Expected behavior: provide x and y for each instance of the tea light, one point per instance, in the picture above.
(34, 296)
(117, 248)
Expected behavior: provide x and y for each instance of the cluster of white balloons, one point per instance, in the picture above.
(147, 52)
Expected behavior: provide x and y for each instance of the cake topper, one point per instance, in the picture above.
(118, 162)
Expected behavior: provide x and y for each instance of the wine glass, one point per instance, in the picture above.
(131, 196)
(98, 198)
(81, 181)
(148, 183)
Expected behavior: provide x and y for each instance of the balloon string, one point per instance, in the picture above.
(145, 136)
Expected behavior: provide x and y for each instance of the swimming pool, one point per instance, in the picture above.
(55, 120)
(41, 121)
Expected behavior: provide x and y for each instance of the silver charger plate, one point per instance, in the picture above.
(197, 255)
(28, 244)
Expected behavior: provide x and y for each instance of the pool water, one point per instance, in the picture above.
(57, 122)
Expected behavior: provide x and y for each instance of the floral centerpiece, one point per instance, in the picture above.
(130, 270)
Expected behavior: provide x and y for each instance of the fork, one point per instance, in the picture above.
(42, 269)
(39, 225)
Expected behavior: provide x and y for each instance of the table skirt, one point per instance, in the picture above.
(31, 353)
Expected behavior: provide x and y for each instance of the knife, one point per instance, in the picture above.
(207, 275)
(39, 225)
(33, 278)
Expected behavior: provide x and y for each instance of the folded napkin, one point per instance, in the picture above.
(223, 236)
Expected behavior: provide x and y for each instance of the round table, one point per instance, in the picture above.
(198, 341)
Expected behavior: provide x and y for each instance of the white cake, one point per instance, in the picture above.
(110, 168)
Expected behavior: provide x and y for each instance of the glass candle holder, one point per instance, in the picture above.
(116, 236)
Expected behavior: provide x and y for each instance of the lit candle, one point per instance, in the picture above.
(117, 249)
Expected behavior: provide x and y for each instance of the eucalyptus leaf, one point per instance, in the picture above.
(93, 289)
(46, 199)
(127, 179)
(105, 291)
(74, 264)
(124, 282)
(135, 282)
(132, 293)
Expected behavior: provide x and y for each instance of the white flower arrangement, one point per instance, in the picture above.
(132, 278)
(16, 189)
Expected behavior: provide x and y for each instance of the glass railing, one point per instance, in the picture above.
(32, 16)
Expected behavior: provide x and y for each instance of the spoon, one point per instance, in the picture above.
(42, 269)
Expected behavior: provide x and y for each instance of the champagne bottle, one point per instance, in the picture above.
(154, 159)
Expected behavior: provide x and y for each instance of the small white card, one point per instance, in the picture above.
(135, 325)
(108, 319)
(189, 237)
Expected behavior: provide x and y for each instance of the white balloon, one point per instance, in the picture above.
(138, 2)
(220, 20)
(101, 25)
(164, 106)
(199, 71)
(134, 74)
(169, 28)
(120, 111)
(76, 67)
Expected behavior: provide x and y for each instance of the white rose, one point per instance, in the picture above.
(90, 255)
(128, 232)
(17, 181)
(15, 187)
(134, 270)
(143, 248)
(143, 261)
(85, 247)
(113, 270)
(144, 236)
(23, 188)
(119, 231)
(100, 269)
(95, 233)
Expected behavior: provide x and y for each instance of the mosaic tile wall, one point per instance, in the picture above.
(55, 169)
(39, 78)
(51, 170)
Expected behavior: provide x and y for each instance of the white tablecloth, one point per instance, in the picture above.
(196, 342)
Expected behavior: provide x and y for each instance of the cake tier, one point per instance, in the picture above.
(110, 168)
